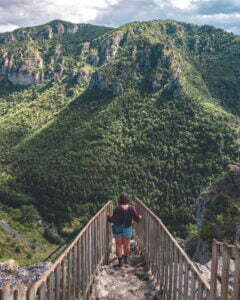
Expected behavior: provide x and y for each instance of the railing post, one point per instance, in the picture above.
(31, 294)
(214, 269)
(225, 272)
(109, 235)
(237, 274)
(42, 291)
(64, 278)
(22, 293)
(57, 282)
(6, 293)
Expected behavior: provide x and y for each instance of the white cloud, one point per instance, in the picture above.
(8, 27)
(19, 13)
(183, 4)
(77, 11)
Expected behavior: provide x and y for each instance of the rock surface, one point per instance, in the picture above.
(132, 281)
(217, 215)
(13, 275)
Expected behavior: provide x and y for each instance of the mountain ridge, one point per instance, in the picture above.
(151, 108)
(46, 31)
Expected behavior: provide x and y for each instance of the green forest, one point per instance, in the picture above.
(150, 108)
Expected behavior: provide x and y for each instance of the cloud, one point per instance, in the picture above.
(8, 27)
(33, 12)
(19, 13)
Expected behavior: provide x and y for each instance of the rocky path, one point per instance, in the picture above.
(132, 281)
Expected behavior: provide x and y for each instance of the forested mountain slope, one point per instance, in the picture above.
(151, 108)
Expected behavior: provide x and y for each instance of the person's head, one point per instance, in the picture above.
(123, 199)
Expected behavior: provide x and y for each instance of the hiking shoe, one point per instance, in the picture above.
(119, 262)
(125, 259)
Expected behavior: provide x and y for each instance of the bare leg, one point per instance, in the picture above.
(119, 247)
(126, 246)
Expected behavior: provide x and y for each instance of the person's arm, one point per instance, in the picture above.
(112, 218)
(135, 215)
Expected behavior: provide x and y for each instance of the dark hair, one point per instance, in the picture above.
(123, 199)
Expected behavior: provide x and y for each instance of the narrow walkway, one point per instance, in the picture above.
(132, 281)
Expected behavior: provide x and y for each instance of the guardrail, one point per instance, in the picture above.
(176, 275)
(225, 271)
(72, 275)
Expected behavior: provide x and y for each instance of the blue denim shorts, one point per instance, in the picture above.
(121, 231)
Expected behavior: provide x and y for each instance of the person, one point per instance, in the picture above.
(122, 228)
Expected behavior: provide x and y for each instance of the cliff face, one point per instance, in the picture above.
(30, 55)
(44, 32)
(217, 214)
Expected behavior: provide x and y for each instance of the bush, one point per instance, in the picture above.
(29, 214)
(52, 235)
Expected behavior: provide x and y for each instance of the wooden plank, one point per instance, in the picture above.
(181, 276)
(193, 287)
(104, 236)
(109, 232)
(64, 279)
(176, 275)
(170, 249)
(59, 260)
(200, 291)
(74, 271)
(69, 275)
(88, 256)
(165, 258)
(225, 273)
(214, 269)
(90, 253)
(6, 293)
(57, 275)
(191, 264)
(78, 269)
(100, 237)
(236, 290)
(81, 267)
(159, 251)
(151, 244)
(21, 294)
(147, 246)
(161, 262)
(155, 265)
(42, 291)
(84, 264)
(186, 280)
(51, 281)
(94, 239)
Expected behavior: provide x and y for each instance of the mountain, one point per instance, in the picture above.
(151, 108)
(217, 215)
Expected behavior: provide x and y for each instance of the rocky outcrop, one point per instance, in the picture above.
(117, 88)
(48, 31)
(217, 215)
(93, 59)
(106, 51)
(210, 202)
(26, 70)
(101, 82)
(11, 274)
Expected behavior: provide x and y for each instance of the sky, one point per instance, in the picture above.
(21, 13)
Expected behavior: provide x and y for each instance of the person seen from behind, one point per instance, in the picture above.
(122, 228)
